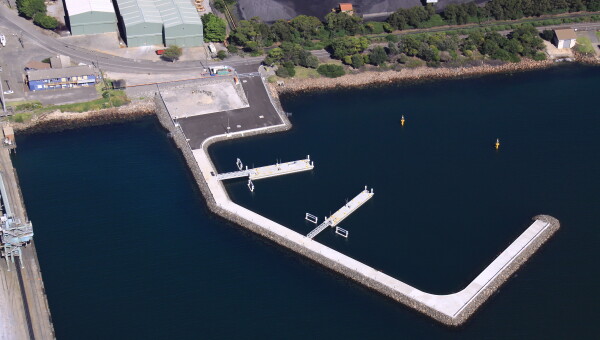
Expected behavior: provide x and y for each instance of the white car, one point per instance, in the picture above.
(9, 92)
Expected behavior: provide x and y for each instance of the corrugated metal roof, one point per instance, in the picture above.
(52, 73)
(177, 12)
(75, 7)
(565, 34)
(139, 11)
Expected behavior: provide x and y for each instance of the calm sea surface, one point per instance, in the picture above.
(129, 251)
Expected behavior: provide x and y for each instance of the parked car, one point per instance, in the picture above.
(160, 52)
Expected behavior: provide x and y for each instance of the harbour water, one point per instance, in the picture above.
(128, 249)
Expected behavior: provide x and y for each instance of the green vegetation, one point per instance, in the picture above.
(172, 53)
(598, 34)
(36, 10)
(459, 14)
(347, 46)
(29, 8)
(378, 56)
(584, 46)
(331, 70)
(45, 21)
(305, 72)
(214, 28)
(110, 98)
(222, 54)
(286, 70)
(293, 54)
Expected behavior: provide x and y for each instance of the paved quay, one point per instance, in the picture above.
(193, 139)
(24, 311)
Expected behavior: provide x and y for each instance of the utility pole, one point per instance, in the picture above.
(2, 96)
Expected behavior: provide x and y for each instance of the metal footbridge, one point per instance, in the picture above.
(342, 213)
(273, 170)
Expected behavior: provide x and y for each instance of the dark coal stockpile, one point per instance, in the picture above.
(271, 10)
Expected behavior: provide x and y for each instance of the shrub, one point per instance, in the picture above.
(221, 54)
(357, 61)
(331, 70)
(231, 48)
(45, 21)
(378, 56)
(392, 38)
(539, 56)
(29, 8)
(172, 53)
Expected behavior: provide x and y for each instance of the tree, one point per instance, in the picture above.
(45, 21)
(172, 53)
(378, 56)
(342, 22)
(357, 61)
(348, 46)
(252, 30)
(29, 8)
(331, 70)
(214, 28)
(307, 26)
(309, 60)
(547, 35)
(283, 31)
(286, 70)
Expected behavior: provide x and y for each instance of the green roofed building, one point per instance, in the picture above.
(140, 22)
(182, 24)
(91, 16)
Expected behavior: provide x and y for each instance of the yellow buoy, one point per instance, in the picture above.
(497, 143)
(402, 120)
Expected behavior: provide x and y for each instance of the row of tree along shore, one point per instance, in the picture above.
(357, 43)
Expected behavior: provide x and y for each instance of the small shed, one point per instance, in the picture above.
(60, 61)
(346, 8)
(9, 133)
(564, 38)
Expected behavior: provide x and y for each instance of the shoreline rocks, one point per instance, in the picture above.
(59, 121)
(416, 74)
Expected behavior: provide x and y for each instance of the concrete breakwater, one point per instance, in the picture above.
(452, 309)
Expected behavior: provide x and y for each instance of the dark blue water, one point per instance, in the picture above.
(129, 251)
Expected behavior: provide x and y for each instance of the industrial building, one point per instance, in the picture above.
(56, 78)
(182, 24)
(90, 16)
(140, 22)
(157, 22)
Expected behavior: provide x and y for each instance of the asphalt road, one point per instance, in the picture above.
(198, 128)
(107, 62)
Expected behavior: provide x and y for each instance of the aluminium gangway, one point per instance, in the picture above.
(343, 212)
(273, 170)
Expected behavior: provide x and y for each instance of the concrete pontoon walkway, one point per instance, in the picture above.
(273, 170)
